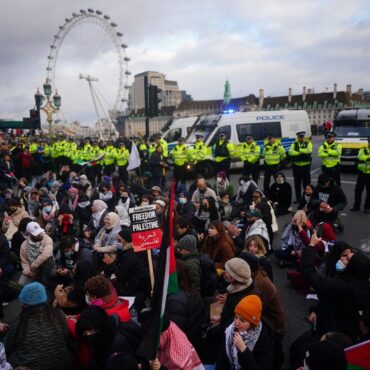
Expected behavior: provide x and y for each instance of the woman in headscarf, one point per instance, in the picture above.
(48, 212)
(85, 185)
(106, 239)
(99, 209)
(83, 210)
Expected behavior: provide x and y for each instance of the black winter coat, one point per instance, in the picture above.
(186, 311)
(340, 298)
(232, 300)
(261, 358)
(282, 194)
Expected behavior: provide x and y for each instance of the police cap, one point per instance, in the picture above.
(331, 134)
(301, 133)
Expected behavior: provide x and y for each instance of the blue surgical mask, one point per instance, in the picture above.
(68, 254)
(48, 209)
(182, 200)
(340, 266)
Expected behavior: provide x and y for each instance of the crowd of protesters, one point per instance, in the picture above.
(66, 254)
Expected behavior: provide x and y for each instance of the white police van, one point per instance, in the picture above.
(177, 128)
(283, 124)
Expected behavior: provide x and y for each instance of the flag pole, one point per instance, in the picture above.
(151, 270)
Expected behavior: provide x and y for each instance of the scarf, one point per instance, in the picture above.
(34, 249)
(176, 352)
(73, 204)
(250, 338)
(84, 204)
(49, 216)
(96, 218)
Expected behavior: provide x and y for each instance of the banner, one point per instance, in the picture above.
(146, 233)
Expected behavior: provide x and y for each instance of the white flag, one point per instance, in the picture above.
(134, 160)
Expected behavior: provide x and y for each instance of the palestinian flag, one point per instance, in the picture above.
(91, 163)
(358, 356)
(165, 283)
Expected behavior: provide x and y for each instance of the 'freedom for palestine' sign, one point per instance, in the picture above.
(146, 233)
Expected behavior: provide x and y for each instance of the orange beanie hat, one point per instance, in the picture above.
(250, 308)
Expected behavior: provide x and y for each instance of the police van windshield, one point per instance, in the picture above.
(350, 128)
(205, 126)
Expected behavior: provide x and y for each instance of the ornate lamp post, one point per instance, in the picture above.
(50, 107)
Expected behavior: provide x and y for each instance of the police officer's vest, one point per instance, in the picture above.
(221, 149)
(301, 157)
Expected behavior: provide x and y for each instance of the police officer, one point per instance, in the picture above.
(199, 153)
(159, 140)
(180, 154)
(330, 153)
(109, 158)
(301, 153)
(122, 156)
(363, 179)
(250, 155)
(223, 150)
(273, 154)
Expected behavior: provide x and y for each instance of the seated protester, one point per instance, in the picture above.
(147, 181)
(248, 341)
(85, 186)
(102, 340)
(65, 224)
(184, 308)
(202, 192)
(205, 214)
(268, 214)
(184, 227)
(238, 275)
(100, 292)
(223, 185)
(186, 251)
(234, 233)
(129, 268)
(73, 195)
(17, 239)
(7, 268)
(327, 201)
(273, 310)
(254, 245)
(125, 198)
(291, 244)
(280, 194)
(33, 203)
(36, 255)
(13, 215)
(343, 296)
(155, 192)
(39, 337)
(48, 212)
(225, 209)
(107, 195)
(71, 298)
(144, 200)
(325, 355)
(138, 185)
(244, 195)
(160, 209)
(99, 210)
(218, 245)
(124, 217)
(305, 202)
(175, 350)
(256, 226)
(83, 210)
(106, 239)
(185, 207)
(194, 185)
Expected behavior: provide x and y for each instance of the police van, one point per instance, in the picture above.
(283, 124)
(352, 128)
(177, 128)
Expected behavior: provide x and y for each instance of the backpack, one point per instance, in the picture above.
(208, 276)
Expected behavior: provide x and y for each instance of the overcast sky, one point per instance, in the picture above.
(255, 44)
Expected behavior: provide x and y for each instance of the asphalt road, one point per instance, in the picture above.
(356, 232)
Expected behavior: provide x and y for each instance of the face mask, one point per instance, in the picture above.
(144, 203)
(68, 254)
(340, 266)
(124, 198)
(48, 209)
(182, 200)
(219, 179)
(87, 300)
(279, 181)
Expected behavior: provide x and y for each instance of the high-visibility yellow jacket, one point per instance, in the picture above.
(223, 149)
(181, 154)
(250, 152)
(199, 152)
(110, 155)
(364, 160)
(330, 154)
(122, 155)
(301, 153)
(273, 153)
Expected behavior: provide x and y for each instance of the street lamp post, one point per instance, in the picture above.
(50, 107)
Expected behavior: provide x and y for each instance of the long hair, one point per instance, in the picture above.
(259, 244)
(221, 238)
(183, 277)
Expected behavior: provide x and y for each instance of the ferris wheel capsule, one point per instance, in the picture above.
(126, 59)
(119, 34)
(75, 14)
(52, 47)
(99, 12)
(67, 20)
(91, 10)
(61, 27)
(82, 11)
(124, 46)
(107, 17)
(113, 24)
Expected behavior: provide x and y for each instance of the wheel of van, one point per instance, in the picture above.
(206, 168)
